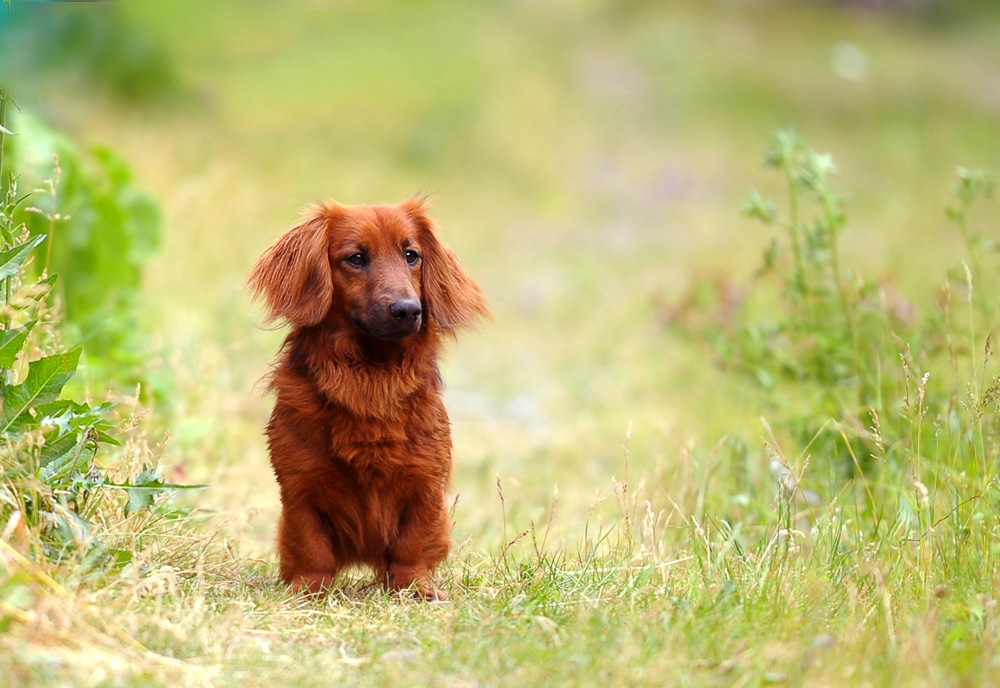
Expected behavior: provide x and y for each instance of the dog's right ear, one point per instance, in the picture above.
(294, 274)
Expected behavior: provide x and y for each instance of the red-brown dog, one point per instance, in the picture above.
(359, 436)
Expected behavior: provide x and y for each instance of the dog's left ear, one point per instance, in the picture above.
(451, 297)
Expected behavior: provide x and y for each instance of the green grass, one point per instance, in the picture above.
(589, 163)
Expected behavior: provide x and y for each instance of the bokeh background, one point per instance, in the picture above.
(588, 161)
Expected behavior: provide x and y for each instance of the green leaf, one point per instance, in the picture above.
(119, 558)
(11, 342)
(758, 207)
(5, 130)
(11, 260)
(45, 380)
(69, 427)
(61, 457)
(71, 529)
(76, 415)
(71, 438)
(143, 492)
(145, 488)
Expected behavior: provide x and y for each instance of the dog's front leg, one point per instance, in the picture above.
(307, 558)
(421, 544)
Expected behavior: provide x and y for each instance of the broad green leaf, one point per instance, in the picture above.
(11, 342)
(11, 260)
(80, 417)
(45, 380)
(143, 491)
(141, 498)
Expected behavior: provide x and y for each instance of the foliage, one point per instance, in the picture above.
(53, 489)
(102, 228)
(850, 369)
(819, 338)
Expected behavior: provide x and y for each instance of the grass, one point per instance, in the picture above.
(588, 163)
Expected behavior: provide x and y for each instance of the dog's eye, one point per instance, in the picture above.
(357, 260)
(412, 257)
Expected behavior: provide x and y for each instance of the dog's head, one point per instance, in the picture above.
(379, 269)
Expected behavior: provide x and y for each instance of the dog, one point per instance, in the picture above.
(359, 438)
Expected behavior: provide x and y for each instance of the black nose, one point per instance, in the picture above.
(405, 309)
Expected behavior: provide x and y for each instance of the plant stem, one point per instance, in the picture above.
(52, 226)
(961, 219)
(3, 192)
(831, 222)
(793, 230)
(979, 444)
(3, 123)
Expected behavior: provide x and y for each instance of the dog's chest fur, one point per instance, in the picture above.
(381, 411)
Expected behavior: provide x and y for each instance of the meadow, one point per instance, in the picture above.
(705, 440)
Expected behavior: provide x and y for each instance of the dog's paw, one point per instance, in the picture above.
(422, 590)
(429, 593)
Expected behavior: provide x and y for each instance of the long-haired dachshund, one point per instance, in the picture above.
(359, 437)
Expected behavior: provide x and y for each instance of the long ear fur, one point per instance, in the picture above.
(450, 295)
(294, 274)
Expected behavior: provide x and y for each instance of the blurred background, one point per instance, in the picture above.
(588, 161)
